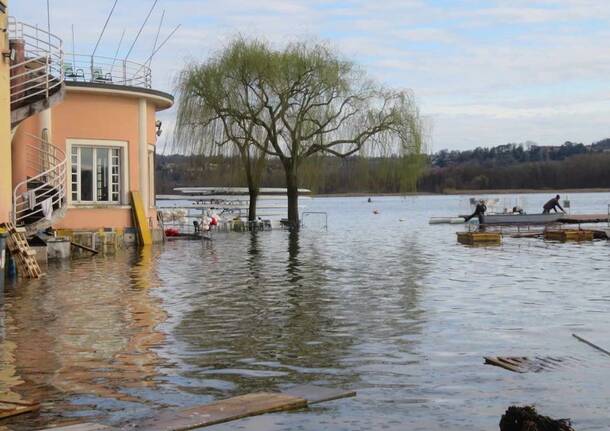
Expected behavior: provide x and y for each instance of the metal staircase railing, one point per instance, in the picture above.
(37, 65)
(40, 199)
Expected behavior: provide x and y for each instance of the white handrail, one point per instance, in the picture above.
(48, 181)
(41, 69)
(106, 70)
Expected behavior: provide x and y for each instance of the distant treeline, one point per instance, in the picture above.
(511, 166)
(322, 175)
(522, 166)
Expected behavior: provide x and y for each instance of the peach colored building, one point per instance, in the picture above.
(78, 154)
(108, 134)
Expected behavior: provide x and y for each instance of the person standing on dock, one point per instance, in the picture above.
(479, 212)
(552, 204)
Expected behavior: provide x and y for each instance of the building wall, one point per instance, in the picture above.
(90, 116)
(5, 125)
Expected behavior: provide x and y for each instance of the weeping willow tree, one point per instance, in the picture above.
(296, 103)
(216, 112)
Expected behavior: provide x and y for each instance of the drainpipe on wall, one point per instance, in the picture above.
(6, 195)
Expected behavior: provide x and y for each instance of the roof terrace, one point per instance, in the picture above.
(106, 70)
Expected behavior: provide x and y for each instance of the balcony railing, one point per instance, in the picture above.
(106, 70)
(37, 63)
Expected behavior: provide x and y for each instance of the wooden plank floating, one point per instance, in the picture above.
(579, 338)
(222, 411)
(293, 398)
(15, 408)
(82, 427)
(472, 238)
(523, 364)
(317, 394)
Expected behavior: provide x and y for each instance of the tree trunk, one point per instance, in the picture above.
(253, 192)
(292, 192)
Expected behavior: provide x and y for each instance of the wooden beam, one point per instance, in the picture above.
(222, 411)
(84, 247)
(317, 394)
(139, 216)
(82, 427)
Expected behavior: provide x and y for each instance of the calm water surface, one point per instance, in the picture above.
(384, 304)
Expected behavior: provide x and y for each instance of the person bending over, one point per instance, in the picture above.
(552, 204)
(479, 211)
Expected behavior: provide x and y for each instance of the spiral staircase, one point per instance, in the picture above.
(36, 84)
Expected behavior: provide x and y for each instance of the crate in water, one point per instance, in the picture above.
(569, 235)
(472, 238)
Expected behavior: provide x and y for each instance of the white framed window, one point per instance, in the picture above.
(98, 172)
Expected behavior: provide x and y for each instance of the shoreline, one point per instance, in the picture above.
(463, 192)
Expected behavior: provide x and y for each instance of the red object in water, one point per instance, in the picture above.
(172, 231)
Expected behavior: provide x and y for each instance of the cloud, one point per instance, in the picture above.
(484, 71)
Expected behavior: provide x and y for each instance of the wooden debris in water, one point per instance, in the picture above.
(538, 234)
(317, 394)
(292, 398)
(82, 427)
(15, 408)
(523, 364)
(472, 238)
(84, 247)
(222, 411)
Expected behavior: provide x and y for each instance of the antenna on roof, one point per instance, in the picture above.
(160, 46)
(104, 29)
(141, 28)
(157, 36)
(116, 54)
(73, 49)
(49, 21)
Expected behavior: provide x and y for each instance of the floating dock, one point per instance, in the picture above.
(482, 238)
(569, 235)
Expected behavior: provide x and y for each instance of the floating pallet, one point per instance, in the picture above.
(569, 235)
(523, 364)
(475, 238)
(24, 256)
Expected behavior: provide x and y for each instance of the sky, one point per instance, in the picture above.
(484, 72)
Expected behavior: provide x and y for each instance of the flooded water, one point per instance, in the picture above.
(385, 304)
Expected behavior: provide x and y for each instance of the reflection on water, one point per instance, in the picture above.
(397, 310)
(81, 339)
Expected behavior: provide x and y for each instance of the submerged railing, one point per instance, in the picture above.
(36, 63)
(106, 70)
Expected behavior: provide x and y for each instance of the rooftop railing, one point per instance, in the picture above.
(106, 70)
